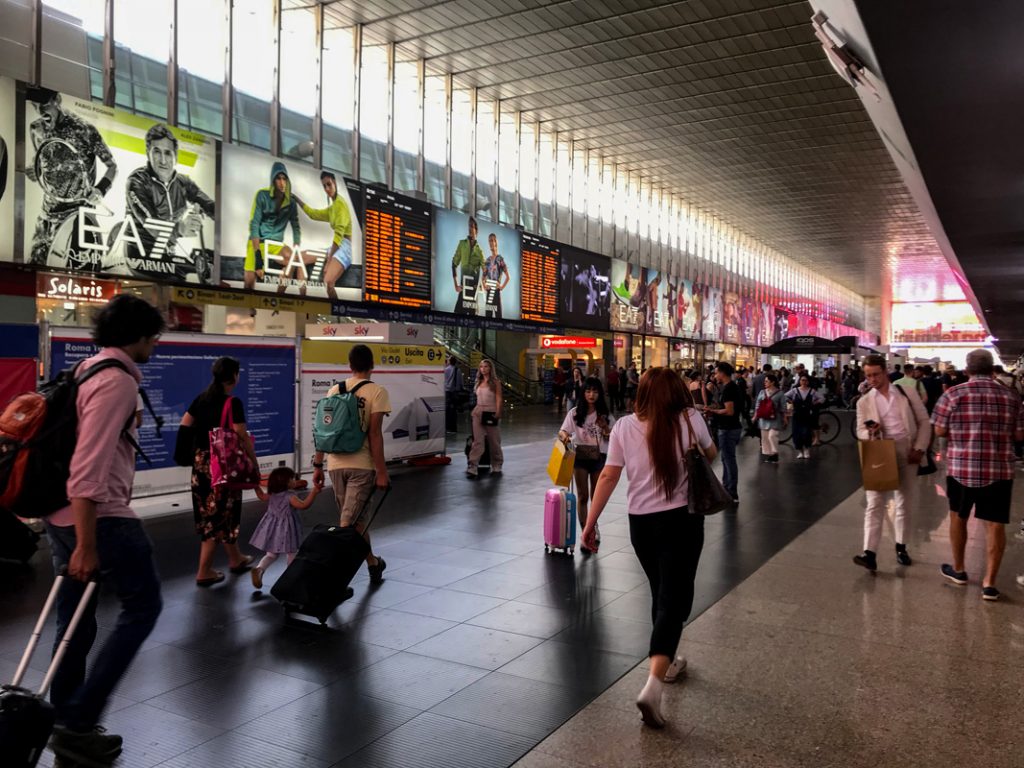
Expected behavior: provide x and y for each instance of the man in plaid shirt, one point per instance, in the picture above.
(981, 420)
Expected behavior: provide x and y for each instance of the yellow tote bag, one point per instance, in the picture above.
(561, 463)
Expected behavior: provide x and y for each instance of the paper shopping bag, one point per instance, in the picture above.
(560, 464)
(878, 466)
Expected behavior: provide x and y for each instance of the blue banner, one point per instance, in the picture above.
(180, 370)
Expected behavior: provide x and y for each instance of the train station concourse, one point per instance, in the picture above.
(465, 384)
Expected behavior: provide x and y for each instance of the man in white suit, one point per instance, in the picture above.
(887, 412)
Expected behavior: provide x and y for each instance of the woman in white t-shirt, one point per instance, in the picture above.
(587, 426)
(650, 444)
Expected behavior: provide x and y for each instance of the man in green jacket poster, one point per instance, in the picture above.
(469, 259)
(273, 209)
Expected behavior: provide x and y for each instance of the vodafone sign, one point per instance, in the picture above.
(567, 342)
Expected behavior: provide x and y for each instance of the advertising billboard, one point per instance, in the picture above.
(731, 318)
(684, 309)
(477, 267)
(750, 322)
(712, 313)
(289, 228)
(586, 285)
(785, 324)
(109, 191)
(7, 143)
(639, 299)
(767, 325)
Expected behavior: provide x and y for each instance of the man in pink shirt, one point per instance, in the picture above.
(98, 533)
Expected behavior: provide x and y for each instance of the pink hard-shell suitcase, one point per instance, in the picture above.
(560, 521)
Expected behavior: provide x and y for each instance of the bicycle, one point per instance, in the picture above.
(829, 427)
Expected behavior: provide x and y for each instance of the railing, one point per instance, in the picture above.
(517, 389)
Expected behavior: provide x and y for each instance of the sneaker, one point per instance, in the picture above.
(377, 571)
(471, 472)
(989, 593)
(1020, 580)
(495, 472)
(257, 577)
(675, 669)
(957, 577)
(902, 557)
(95, 746)
(867, 560)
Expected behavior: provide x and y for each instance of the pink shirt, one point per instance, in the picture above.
(103, 467)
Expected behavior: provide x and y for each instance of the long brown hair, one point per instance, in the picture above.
(660, 398)
(492, 381)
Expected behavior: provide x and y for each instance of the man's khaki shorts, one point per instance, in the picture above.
(352, 489)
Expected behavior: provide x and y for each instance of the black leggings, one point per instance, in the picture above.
(668, 546)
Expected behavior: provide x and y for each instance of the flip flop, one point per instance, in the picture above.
(211, 581)
(243, 567)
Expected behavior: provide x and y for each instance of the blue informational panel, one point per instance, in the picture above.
(180, 370)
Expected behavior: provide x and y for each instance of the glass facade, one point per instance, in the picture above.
(287, 79)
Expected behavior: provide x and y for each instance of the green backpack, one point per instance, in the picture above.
(336, 426)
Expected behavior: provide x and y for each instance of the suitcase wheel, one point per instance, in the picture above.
(547, 550)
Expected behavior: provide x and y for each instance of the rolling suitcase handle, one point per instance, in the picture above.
(377, 510)
(33, 642)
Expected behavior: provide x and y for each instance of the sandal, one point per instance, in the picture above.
(212, 580)
(243, 567)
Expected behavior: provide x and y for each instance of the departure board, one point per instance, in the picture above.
(397, 250)
(540, 279)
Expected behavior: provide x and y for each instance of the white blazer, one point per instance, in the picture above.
(915, 417)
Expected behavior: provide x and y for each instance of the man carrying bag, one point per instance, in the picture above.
(895, 433)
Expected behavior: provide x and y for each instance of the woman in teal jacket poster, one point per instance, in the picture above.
(273, 209)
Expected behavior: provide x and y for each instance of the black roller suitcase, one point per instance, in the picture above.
(26, 718)
(17, 541)
(317, 581)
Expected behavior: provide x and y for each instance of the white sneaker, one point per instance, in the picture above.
(1020, 579)
(675, 669)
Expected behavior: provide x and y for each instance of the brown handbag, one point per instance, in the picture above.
(706, 494)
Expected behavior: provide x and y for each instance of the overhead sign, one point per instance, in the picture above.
(540, 279)
(203, 296)
(77, 289)
(567, 342)
(390, 333)
(397, 250)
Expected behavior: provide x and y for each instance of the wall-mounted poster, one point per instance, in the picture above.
(7, 143)
(767, 325)
(289, 228)
(688, 304)
(109, 191)
(586, 285)
(731, 317)
(477, 266)
(712, 314)
(750, 320)
(636, 295)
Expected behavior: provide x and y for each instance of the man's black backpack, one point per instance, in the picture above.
(38, 434)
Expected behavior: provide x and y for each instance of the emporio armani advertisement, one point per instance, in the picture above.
(111, 192)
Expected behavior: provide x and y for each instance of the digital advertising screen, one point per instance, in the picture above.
(678, 314)
(111, 192)
(288, 228)
(7, 143)
(397, 250)
(712, 314)
(541, 262)
(636, 296)
(477, 267)
(785, 324)
(586, 287)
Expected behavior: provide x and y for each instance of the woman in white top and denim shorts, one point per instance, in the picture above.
(667, 539)
(588, 426)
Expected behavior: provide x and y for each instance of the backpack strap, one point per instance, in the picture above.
(103, 365)
(357, 387)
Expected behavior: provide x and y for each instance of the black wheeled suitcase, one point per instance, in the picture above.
(17, 541)
(317, 581)
(26, 718)
(485, 458)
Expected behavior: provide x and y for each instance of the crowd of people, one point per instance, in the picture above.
(665, 419)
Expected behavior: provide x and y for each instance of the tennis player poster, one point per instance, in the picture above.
(108, 191)
(6, 169)
(288, 228)
(477, 267)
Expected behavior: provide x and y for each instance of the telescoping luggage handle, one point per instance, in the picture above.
(380, 504)
(33, 642)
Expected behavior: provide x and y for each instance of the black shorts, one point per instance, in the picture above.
(990, 502)
(591, 465)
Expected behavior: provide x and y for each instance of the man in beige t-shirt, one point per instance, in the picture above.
(355, 475)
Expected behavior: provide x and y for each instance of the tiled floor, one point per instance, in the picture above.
(476, 647)
(813, 662)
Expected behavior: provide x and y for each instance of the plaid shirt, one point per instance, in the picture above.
(981, 417)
